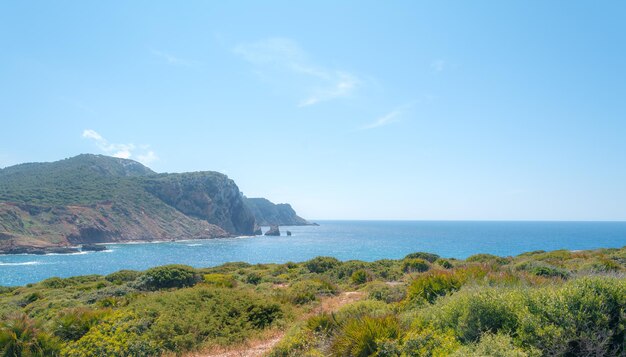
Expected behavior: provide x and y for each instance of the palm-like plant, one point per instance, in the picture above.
(21, 337)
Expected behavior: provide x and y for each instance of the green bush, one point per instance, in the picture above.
(124, 333)
(220, 280)
(486, 258)
(305, 291)
(430, 286)
(378, 290)
(471, 313)
(122, 276)
(168, 276)
(497, 345)
(603, 265)
(444, 263)
(414, 265)
(321, 264)
(361, 309)
(583, 317)
(324, 324)
(429, 342)
(540, 268)
(359, 277)
(430, 257)
(362, 337)
(253, 278)
(72, 324)
(296, 343)
(54, 283)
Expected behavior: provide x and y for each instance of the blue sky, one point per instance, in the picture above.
(348, 110)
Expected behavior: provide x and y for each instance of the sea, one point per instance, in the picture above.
(345, 240)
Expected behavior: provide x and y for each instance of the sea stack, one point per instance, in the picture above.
(273, 231)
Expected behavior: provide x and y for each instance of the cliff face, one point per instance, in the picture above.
(208, 196)
(99, 199)
(267, 213)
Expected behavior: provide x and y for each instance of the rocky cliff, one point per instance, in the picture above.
(267, 213)
(100, 199)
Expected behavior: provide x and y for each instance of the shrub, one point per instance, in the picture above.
(323, 324)
(253, 278)
(168, 276)
(121, 334)
(362, 337)
(73, 324)
(321, 264)
(413, 265)
(381, 291)
(305, 291)
(497, 345)
(421, 255)
(30, 298)
(54, 283)
(542, 269)
(429, 342)
(220, 280)
(262, 315)
(122, 276)
(294, 344)
(549, 271)
(361, 309)
(471, 313)
(582, 317)
(429, 287)
(359, 277)
(444, 263)
(486, 258)
(20, 336)
(603, 265)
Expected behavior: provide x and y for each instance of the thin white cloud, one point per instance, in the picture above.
(438, 65)
(123, 151)
(345, 86)
(284, 54)
(171, 59)
(147, 158)
(389, 118)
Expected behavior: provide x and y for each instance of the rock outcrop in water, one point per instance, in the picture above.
(89, 199)
(273, 231)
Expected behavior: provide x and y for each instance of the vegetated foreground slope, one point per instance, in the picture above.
(559, 303)
(97, 199)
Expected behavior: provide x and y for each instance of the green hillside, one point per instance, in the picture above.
(100, 199)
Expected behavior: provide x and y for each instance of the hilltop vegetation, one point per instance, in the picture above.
(99, 199)
(557, 303)
(267, 213)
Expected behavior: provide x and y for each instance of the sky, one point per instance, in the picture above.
(408, 110)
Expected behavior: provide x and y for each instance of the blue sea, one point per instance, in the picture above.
(345, 240)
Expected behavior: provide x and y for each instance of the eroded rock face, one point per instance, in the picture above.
(273, 231)
(64, 227)
(257, 230)
(205, 195)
